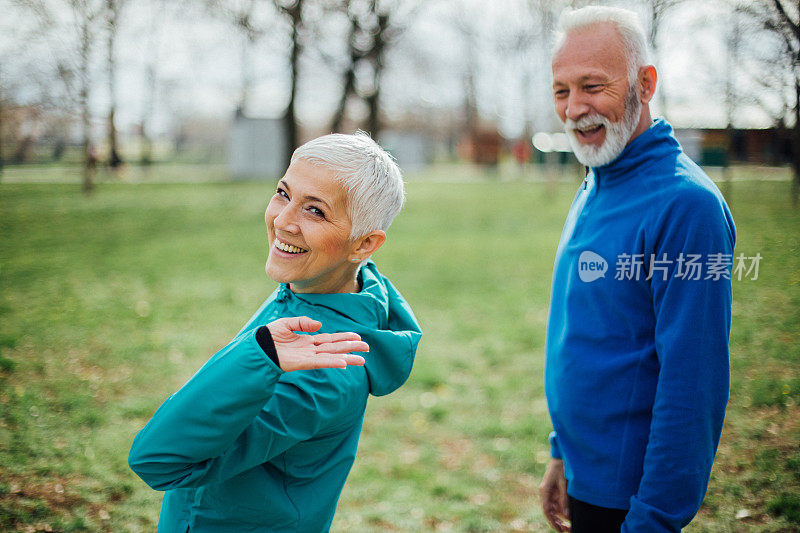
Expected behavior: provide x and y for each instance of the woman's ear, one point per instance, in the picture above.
(367, 245)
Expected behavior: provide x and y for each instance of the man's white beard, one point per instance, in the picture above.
(617, 133)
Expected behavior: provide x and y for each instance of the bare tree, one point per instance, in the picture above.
(86, 13)
(464, 25)
(355, 53)
(71, 27)
(252, 21)
(145, 141)
(293, 12)
(733, 45)
(152, 46)
(374, 27)
(2, 109)
(780, 20)
(658, 12)
(112, 13)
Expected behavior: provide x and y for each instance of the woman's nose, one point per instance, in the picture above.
(286, 220)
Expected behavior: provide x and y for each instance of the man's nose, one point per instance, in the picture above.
(577, 105)
(287, 220)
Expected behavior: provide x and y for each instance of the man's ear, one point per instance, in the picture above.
(647, 83)
(368, 245)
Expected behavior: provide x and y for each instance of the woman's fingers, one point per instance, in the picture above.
(355, 360)
(324, 338)
(298, 323)
(341, 347)
(324, 350)
(348, 358)
(330, 361)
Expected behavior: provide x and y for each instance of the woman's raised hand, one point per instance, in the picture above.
(305, 352)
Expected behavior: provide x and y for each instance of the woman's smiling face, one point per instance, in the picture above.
(309, 232)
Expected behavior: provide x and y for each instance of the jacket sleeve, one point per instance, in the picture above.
(232, 415)
(692, 330)
(555, 451)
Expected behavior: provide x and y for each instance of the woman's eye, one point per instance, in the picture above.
(316, 212)
(281, 192)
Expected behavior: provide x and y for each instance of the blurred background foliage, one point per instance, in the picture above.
(125, 84)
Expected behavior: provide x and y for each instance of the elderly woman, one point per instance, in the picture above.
(263, 436)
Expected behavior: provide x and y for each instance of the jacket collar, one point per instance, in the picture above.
(656, 143)
(367, 306)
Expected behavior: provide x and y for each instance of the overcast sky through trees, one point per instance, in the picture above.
(197, 58)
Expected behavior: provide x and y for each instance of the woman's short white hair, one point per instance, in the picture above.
(369, 174)
(627, 23)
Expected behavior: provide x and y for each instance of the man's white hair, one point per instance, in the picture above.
(627, 23)
(369, 174)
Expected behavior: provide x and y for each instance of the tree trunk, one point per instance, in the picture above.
(373, 104)
(347, 92)
(89, 159)
(378, 53)
(23, 150)
(658, 7)
(114, 159)
(290, 118)
(349, 79)
(145, 144)
(796, 145)
(1, 131)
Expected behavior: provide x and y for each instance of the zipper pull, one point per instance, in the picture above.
(585, 182)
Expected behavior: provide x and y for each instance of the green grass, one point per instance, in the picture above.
(109, 303)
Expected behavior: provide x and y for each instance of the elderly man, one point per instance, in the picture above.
(637, 371)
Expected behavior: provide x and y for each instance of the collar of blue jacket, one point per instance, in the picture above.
(651, 147)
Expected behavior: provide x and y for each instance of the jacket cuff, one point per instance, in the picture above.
(555, 452)
(264, 340)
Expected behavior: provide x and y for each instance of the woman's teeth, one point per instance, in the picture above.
(288, 247)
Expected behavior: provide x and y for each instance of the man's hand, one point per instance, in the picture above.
(305, 352)
(553, 492)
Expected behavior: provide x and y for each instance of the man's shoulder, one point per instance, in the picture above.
(685, 184)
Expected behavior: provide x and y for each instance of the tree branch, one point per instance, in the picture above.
(787, 19)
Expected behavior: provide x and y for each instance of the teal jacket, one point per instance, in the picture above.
(243, 446)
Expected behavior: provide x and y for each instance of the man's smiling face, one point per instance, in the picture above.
(593, 95)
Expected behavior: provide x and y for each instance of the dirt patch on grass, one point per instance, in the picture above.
(31, 505)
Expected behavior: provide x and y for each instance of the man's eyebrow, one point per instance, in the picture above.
(599, 77)
(312, 198)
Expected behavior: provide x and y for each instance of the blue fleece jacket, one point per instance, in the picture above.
(637, 368)
(245, 447)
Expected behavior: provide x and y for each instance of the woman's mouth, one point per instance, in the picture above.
(288, 248)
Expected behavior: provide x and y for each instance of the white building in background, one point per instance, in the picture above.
(412, 150)
(256, 148)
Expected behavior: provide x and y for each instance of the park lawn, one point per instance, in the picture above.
(109, 303)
